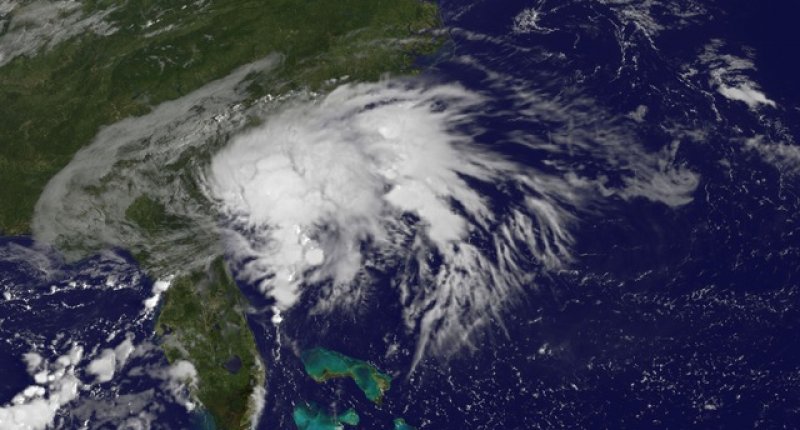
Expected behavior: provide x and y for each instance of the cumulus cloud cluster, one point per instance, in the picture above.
(391, 165)
(110, 361)
(729, 75)
(320, 179)
(60, 381)
(56, 385)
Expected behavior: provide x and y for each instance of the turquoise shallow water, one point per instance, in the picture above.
(312, 417)
(401, 424)
(322, 364)
(202, 420)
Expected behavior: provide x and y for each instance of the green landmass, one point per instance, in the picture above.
(54, 103)
(322, 365)
(202, 321)
(350, 417)
(311, 417)
(151, 216)
(400, 424)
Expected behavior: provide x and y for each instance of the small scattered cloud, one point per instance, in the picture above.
(784, 156)
(529, 21)
(730, 76)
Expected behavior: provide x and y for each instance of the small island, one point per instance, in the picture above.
(311, 417)
(400, 424)
(322, 364)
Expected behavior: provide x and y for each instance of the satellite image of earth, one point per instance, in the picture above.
(399, 214)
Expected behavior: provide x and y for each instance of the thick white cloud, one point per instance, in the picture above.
(159, 287)
(304, 191)
(730, 76)
(336, 165)
(747, 94)
(123, 351)
(318, 179)
(103, 367)
(183, 371)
